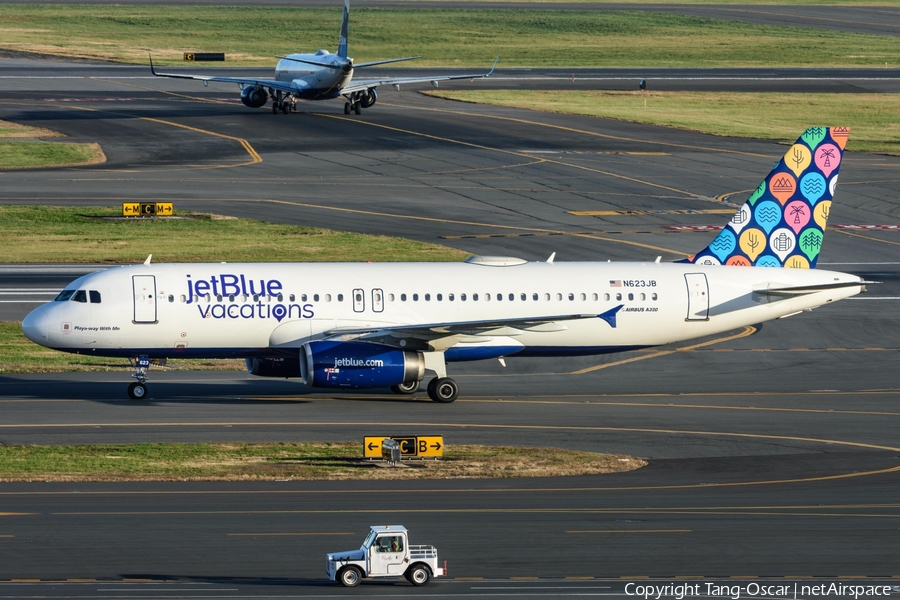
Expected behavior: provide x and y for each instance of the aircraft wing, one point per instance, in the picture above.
(283, 86)
(358, 85)
(432, 331)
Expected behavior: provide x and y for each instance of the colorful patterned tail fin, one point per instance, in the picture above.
(783, 222)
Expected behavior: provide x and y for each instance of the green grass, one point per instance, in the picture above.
(40, 234)
(872, 118)
(254, 35)
(27, 155)
(241, 461)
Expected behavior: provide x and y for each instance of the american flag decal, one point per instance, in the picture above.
(615, 283)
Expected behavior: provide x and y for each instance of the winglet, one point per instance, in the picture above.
(491, 72)
(152, 70)
(610, 315)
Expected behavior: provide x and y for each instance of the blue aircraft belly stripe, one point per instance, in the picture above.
(452, 354)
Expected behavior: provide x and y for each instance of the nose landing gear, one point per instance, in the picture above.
(138, 389)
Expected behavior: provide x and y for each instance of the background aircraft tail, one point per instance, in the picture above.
(782, 224)
(345, 29)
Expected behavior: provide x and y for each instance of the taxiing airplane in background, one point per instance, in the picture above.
(319, 76)
(350, 325)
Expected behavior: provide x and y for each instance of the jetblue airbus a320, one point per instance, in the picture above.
(319, 76)
(349, 325)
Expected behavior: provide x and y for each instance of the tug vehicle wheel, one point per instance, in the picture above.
(349, 576)
(418, 575)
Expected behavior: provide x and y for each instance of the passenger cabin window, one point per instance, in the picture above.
(171, 297)
(64, 295)
(415, 297)
(340, 298)
(451, 297)
(462, 297)
(302, 298)
(80, 296)
(292, 297)
(653, 297)
(631, 296)
(315, 297)
(95, 297)
(428, 297)
(402, 297)
(534, 297)
(475, 297)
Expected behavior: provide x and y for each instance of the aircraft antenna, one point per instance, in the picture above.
(147, 262)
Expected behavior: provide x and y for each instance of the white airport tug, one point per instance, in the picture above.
(385, 553)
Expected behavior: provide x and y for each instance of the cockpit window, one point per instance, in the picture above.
(64, 295)
(95, 297)
(80, 296)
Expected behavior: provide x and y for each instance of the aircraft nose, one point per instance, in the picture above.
(34, 326)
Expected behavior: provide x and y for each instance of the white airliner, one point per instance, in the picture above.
(319, 76)
(350, 325)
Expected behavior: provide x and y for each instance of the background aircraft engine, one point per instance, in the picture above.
(274, 367)
(358, 365)
(369, 98)
(254, 96)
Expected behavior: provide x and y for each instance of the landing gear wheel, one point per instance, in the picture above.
(357, 108)
(443, 390)
(406, 388)
(346, 108)
(137, 391)
(349, 576)
(418, 575)
(285, 107)
(274, 107)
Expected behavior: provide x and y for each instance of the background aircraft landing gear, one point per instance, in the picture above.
(443, 389)
(406, 388)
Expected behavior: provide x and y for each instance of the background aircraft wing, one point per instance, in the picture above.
(358, 85)
(284, 86)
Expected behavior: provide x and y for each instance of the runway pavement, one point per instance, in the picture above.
(773, 453)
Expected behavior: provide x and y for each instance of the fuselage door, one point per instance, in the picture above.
(144, 298)
(698, 297)
(359, 300)
(377, 300)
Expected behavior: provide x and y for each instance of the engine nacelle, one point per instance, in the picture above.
(274, 367)
(358, 365)
(368, 99)
(254, 96)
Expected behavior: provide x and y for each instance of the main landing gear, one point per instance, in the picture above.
(443, 390)
(352, 106)
(284, 103)
(138, 389)
(440, 389)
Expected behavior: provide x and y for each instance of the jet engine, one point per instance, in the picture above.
(369, 98)
(274, 367)
(358, 365)
(254, 96)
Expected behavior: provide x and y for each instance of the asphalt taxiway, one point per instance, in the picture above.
(772, 452)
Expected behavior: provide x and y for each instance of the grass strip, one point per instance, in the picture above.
(63, 234)
(254, 35)
(30, 155)
(872, 118)
(302, 461)
(10, 130)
